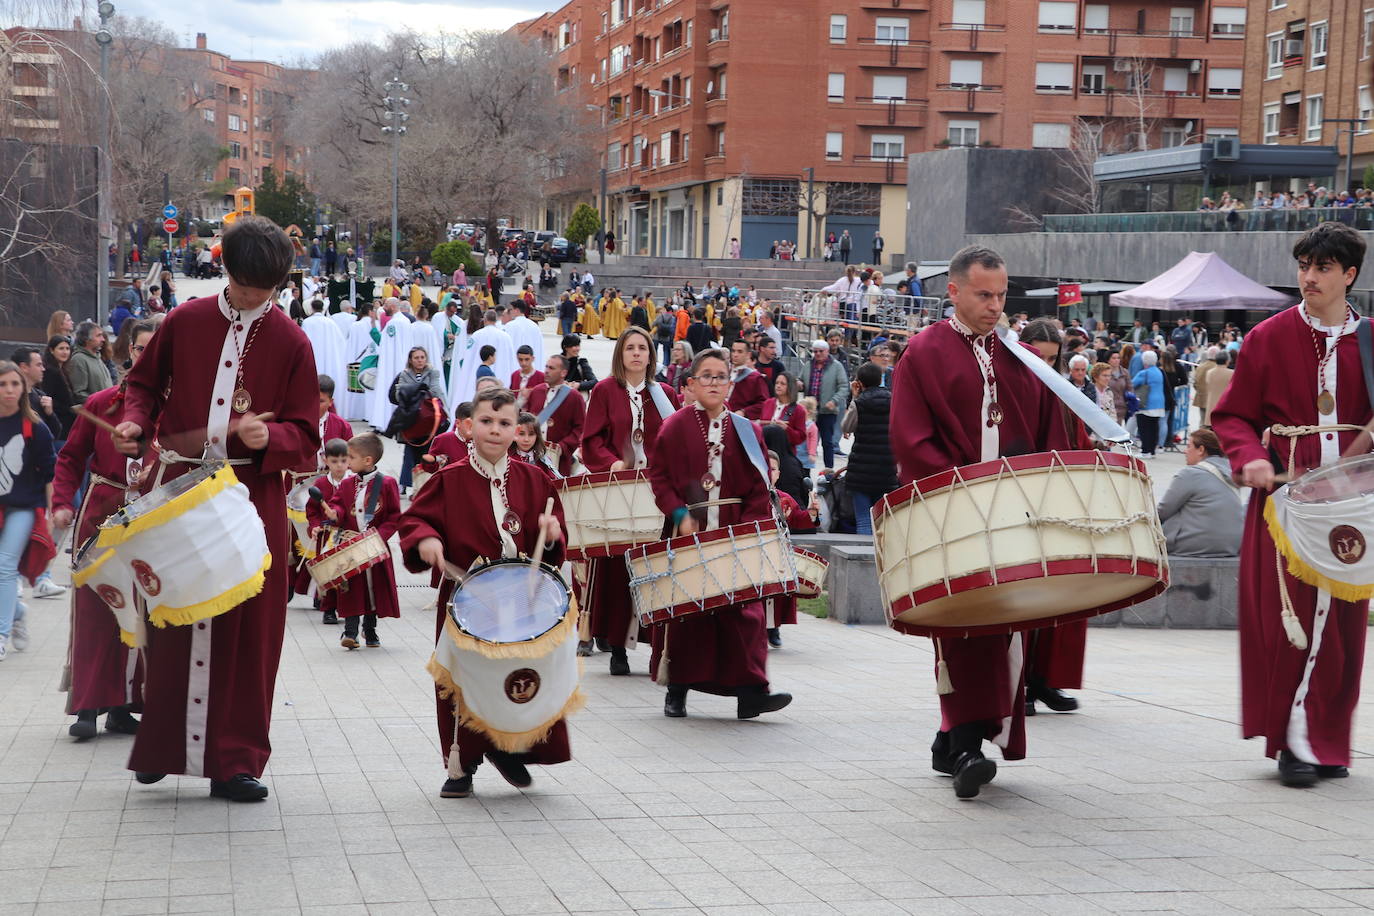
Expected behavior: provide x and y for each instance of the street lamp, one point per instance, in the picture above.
(1352, 125)
(104, 38)
(605, 152)
(395, 114)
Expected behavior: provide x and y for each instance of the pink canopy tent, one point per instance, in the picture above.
(1200, 281)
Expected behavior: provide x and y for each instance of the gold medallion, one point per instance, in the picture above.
(1326, 402)
(995, 415)
(242, 400)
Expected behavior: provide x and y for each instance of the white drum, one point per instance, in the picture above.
(812, 569)
(346, 555)
(195, 546)
(99, 568)
(608, 513)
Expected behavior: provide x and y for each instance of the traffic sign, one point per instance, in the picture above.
(170, 225)
(170, 211)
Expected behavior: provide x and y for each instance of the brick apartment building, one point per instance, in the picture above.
(713, 110)
(1307, 61)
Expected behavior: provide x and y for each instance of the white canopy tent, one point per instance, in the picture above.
(1202, 280)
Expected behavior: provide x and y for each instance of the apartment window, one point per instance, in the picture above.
(1181, 20)
(969, 13)
(966, 74)
(889, 88)
(1051, 77)
(1367, 36)
(1271, 123)
(686, 91)
(234, 122)
(839, 28)
(1314, 117)
(235, 150)
(688, 40)
(1224, 82)
(720, 142)
(620, 56)
(1277, 4)
(1366, 109)
(613, 162)
(1173, 136)
(267, 149)
(208, 114)
(834, 144)
(963, 133)
(686, 147)
(892, 31)
(834, 87)
(1228, 20)
(1095, 18)
(889, 146)
(1274, 43)
(1050, 136)
(564, 35)
(1094, 79)
(1317, 43)
(665, 144)
(236, 176)
(1058, 16)
(1175, 79)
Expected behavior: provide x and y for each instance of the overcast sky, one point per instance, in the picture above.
(286, 31)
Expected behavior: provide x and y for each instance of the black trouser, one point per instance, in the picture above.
(369, 625)
(1149, 433)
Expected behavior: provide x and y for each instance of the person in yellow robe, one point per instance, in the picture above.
(614, 315)
(650, 307)
(591, 322)
(417, 295)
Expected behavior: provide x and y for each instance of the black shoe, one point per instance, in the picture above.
(510, 768)
(1052, 697)
(148, 779)
(941, 758)
(457, 788)
(119, 721)
(775, 637)
(373, 642)
(242, 788)
(753, 703)
(330, 617)
(84, 726)
(972, 771)
(1030, 706)
(584, 649)
(620, 663)
(675, 704)
(602, 645)
(1295, 773)
(1333, 771)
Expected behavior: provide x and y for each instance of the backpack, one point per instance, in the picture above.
(665, 325)
(839, 504)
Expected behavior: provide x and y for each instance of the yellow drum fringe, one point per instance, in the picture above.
(534, 648)
(1299, 570)
(510, 742)
(207, 489)
(81, 576)
(163, 616)
(306, 550)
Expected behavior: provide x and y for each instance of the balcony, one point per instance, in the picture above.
(974, 29)
(1145, 43)
(975, 97)
(1153, 104)
(884, 52)
(1246, 220)
(893, 167)
(715, 110)
(889, 112)
(901, 6)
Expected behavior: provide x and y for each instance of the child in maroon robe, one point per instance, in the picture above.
(529, 445)
(699, 457)
(328, 483)
(370, 499)
(783, 609)
(452, 523)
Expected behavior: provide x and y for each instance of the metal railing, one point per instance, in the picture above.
(1286, 220)
(810, 314)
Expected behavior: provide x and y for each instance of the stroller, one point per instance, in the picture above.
(837, 505)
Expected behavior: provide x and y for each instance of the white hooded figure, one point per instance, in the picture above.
(392, 353)
(344, 318)
(524, 332)
(464, 381)
(352, 405)
(422, 335)
(329, 345)
(444, 325)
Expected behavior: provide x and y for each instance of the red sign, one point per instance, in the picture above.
(170, 225)
(1070, 294)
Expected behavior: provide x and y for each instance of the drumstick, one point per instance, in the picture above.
(100, 422)
(538, 556)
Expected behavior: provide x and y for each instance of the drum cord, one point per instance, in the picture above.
(1090, 527)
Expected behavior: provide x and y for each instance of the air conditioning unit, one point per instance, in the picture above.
(1195, 66)
(1121, 65)
(1292, 47)
(1226, 148)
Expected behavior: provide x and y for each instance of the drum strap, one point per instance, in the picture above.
(554, 403)
(745, 430)
(661, 402)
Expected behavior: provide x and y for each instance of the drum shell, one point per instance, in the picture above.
(812, 568)
(99, 569)
(701, 572)
(608, 513)
(933, 540)
(346, 559)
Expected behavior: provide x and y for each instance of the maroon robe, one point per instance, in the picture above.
(455, 508)
(794, 415)
(104, 671)
(373, 592)
(317, 520)
(447, 448)
(606, 435)
(335, 427)
(1299, 700)
(783, 609)
(535, 380)
(564, 428)
(937, 396)
(721, 650)
(208, 691)
(748, 394)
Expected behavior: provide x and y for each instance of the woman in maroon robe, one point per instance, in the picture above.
(783, 410)
(697, 458)
(621, 428)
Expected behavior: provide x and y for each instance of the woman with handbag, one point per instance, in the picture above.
(27, 460)
(1149, 388)
(418, 381)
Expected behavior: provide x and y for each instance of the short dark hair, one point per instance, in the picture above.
(369, 444)
(1223, 358)
(570, 340)
(22, 355)
(496, 397)
(335, 448)
(869, 375)
(567, 363)
(703, 356)
(326, 385)
(524, 350)
(486, 353)
(969, 255)
(317, 305)
(1330, 241)
(1206, 440)
(256, 252)
(463, 411)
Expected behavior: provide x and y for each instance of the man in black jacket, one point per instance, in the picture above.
(580, 374)
(699, 333)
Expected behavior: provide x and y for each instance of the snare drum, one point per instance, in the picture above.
(811, 571)
(99, 568)
(347, 557)
(508, 654)
(1019, 543)
(701, 572)
(195, 546)
(608, 513)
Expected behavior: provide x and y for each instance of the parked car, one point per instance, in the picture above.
(565, 252)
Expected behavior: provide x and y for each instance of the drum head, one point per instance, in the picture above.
(163, 495)
(509, 601)
(1346, 479)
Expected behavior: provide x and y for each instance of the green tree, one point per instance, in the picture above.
(285, 202)
(1368, 180)
(449, 256)
(584, 223)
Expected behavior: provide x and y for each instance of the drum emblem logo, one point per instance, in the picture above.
(110, 595)
(1347, 544)
(147, 579)
(522, 685)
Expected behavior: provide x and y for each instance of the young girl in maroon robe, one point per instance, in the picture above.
(446, 526)
(624, 416)
(529, 445)
(699, 457)
(328, 483)
(369, 499)
(783, 608)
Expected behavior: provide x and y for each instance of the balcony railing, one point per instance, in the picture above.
(894, 106)
(973, 90)
(973, 29)
(1247, 220)
(891, 165)
(896, 47)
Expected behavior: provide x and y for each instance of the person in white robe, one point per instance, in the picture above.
(523, 332)
(392, 353)
(353, 405)
(504, 366)
(329, 345)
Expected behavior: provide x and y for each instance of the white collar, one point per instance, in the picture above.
(967, 331)
(1345, 327)
(230, 313)
(636, 389)
(484, 467)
